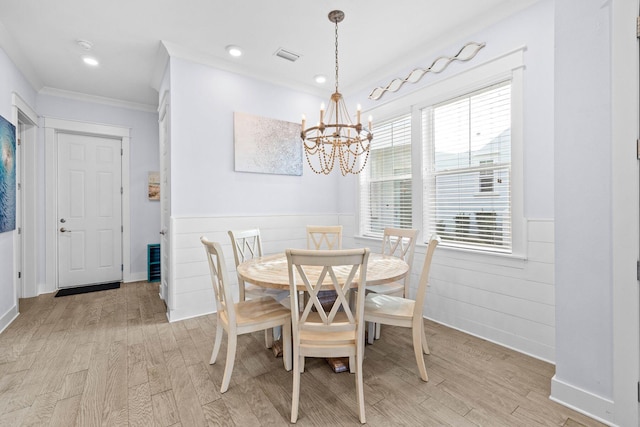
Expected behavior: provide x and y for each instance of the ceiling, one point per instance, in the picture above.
(130, 39)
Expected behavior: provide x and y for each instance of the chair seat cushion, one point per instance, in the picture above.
(260, 310)
(387, 306)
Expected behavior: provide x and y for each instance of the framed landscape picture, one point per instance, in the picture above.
(154, 185)
(7, 176)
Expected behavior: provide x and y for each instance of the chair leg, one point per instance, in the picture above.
(425, 346)
(360, 387)
(295, 395)
(352, 364)
(231, 357)
(370, 332)
(216, 344)
(417, 350)
(378, 327)
(286, 344)
(268, 338)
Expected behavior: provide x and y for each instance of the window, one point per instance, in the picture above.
(448, 159)
(385, 185)
(467, 169)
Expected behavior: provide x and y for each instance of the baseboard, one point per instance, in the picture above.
(8, 317)
(575, 398)
(136, 277)
(178, 315)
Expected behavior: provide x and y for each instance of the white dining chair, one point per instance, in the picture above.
(398, 311)
(327, 237)
(247, 244)
(242, 317)
(401, 243)
(324, 237)
(339, 332)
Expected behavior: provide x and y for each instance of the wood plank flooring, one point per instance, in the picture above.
(111, 358)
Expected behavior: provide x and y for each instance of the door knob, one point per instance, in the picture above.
(64, 230)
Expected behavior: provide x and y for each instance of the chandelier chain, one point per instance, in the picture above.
(336, 56)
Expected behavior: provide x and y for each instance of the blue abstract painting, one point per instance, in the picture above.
(7, 176)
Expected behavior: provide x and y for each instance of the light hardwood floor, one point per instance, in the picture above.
(111, 358)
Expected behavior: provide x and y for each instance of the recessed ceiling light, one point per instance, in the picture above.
(320, 79)
(90, 60)
(234, 50)
(85, 44)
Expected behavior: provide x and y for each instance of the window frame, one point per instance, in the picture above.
(509, 66)
(365, 226)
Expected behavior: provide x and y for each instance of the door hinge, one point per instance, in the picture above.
(19, 274)
(122, 151)
(638, 270)
(122, 191)
(638, 148)
(19, 186)
(19, 141)
(19, 230)
(121, 267)
(122, 228)
(638, 27)
(638, 391)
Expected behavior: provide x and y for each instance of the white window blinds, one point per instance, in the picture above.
(467, 169)
(385, 185)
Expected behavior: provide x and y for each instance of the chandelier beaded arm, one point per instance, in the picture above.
(338, 137)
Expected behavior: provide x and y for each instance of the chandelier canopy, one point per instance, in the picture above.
(338, 136)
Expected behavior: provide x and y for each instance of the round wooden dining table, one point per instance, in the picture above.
(271, 271)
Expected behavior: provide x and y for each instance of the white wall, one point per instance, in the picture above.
(506, 300)
(144, 157)
(204, 184)
(583, 185)
(203, 178)
(11, 80)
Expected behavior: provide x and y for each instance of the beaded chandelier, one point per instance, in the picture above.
(338, 137)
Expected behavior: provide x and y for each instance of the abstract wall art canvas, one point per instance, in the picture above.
(7, 176)
(264, 145)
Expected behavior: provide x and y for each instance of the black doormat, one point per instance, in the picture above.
(86, 289)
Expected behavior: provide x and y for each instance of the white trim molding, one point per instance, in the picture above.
(8, 317)
(600, 408)
(52, 127)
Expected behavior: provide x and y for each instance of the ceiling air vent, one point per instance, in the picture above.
(287, 54)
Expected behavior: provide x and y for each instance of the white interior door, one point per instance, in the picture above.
(89, 210)
(165, 202)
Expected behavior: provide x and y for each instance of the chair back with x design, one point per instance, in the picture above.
(324, 237)
(339, 332)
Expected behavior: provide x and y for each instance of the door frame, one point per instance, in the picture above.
(27, 286)
(625, 130)
(52, 127)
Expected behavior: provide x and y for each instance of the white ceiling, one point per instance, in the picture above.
(376, 38)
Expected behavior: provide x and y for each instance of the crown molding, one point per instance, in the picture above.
(77, 96)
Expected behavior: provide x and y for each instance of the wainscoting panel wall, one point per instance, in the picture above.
(507, 301)
(190, 283)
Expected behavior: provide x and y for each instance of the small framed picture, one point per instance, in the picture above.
(154, 185)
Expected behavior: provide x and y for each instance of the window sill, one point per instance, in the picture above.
(461, 254)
